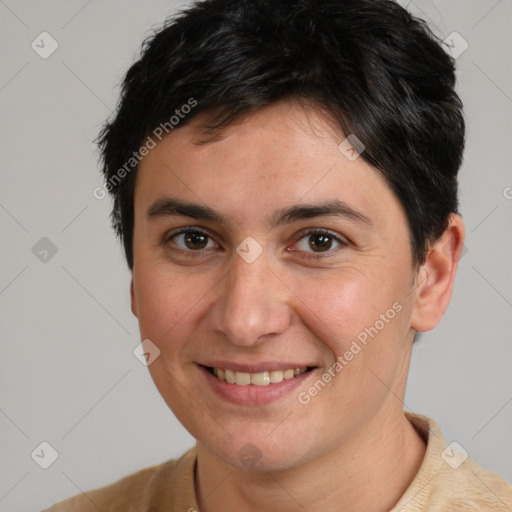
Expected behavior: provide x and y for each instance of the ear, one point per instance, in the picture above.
(132, 298)
(435, 279)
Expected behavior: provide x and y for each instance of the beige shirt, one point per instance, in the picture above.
(446, 481)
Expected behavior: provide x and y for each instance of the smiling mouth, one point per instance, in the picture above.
(256, 379)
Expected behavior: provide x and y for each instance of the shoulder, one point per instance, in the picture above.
(449, 480)
(128, 490)
(136, 492)
(471, 487)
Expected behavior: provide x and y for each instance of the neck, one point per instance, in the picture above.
(370, 473)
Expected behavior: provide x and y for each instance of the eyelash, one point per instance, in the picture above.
(304, 234)
(322, 255)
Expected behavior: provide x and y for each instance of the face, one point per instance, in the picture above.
(264, 252)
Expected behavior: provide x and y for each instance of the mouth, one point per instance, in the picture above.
(261, 385)
(263, 378)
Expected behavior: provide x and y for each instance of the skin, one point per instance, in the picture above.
(291, 304)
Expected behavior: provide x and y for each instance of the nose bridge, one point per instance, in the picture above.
(251, 304)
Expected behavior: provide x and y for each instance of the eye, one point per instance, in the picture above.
(192, 240)
(319, 241)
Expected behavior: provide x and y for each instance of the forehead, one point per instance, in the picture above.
(284, 154)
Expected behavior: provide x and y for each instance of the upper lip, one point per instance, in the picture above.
(255, 367)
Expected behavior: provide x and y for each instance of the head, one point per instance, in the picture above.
(257, 236)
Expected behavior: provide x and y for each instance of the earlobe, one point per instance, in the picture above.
(132, 299)
(436, 277)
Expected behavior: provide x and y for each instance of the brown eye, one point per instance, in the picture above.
(320, 242)
(195, 240)
(192, 240)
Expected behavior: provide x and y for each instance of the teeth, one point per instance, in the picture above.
(257, 379)
(276, 376)
(242, 378)
(260, 379)
(288, 374)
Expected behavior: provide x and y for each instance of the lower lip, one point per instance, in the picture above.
(251, 394)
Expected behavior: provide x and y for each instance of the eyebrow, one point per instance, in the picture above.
(333, 208)
(168, 207)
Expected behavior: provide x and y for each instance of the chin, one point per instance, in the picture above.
(258, 453)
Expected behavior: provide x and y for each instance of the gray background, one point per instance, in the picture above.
(68, 375)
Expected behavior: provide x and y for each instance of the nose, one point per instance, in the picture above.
(251, 303)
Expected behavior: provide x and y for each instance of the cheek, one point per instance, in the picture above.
(339, 307)
(167, 301)
(361, 325)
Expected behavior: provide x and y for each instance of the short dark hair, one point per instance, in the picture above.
(378, 70)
